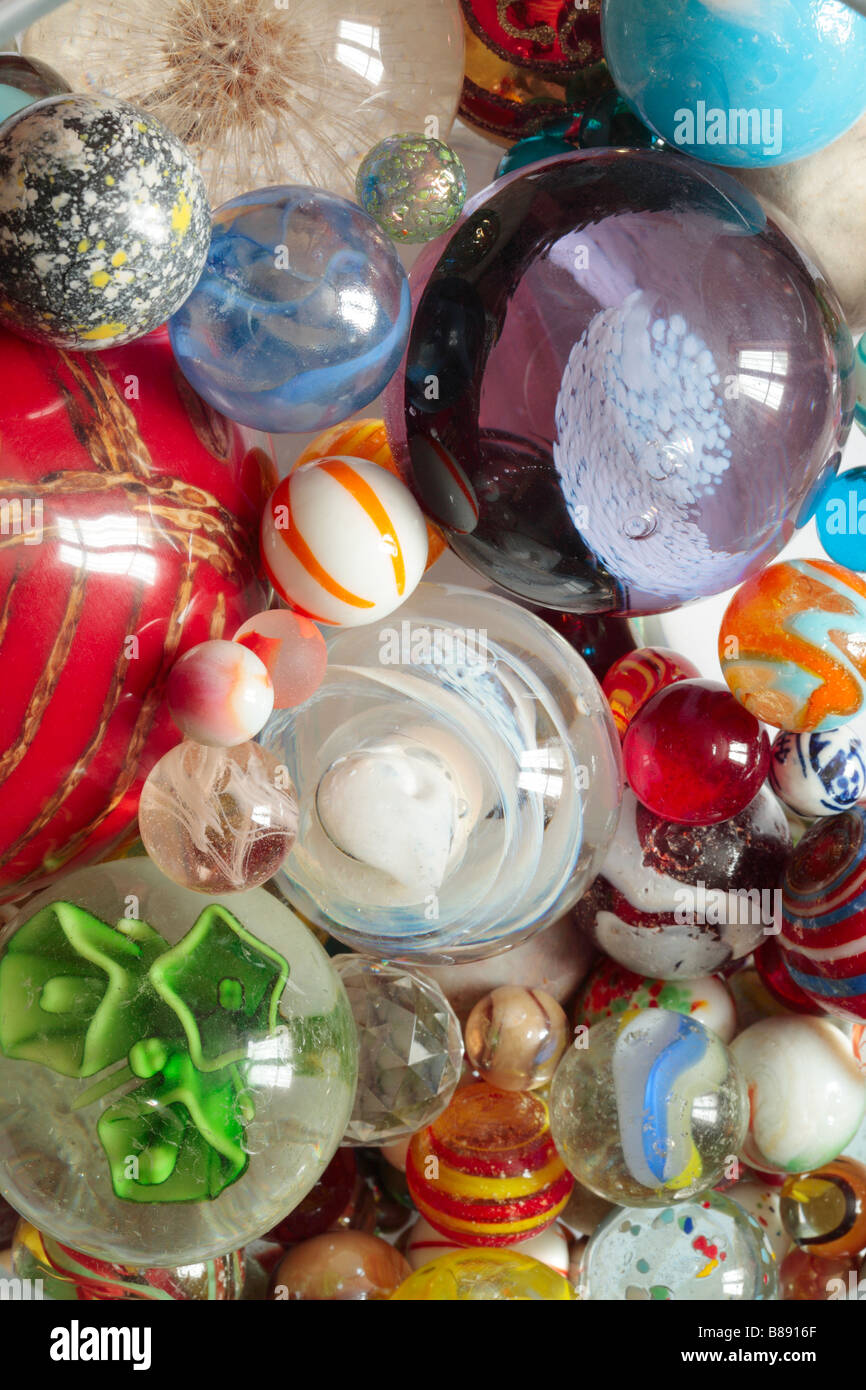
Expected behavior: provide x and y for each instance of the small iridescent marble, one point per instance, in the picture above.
(218, 820)
(413, 186)
(220, 694)
(515, 1037)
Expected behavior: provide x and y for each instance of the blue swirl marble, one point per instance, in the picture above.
(301, 314)
(661, 1062)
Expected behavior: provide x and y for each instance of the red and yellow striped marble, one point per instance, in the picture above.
(635, 677)
(486, 1172)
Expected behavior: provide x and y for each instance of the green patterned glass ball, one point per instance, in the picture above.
(176, 1070)
(413, 186)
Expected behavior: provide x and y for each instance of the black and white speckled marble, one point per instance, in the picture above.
(104, 222)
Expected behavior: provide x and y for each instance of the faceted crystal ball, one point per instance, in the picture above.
(411, 1049)
(176, 1070)
(647, 1109)
(623, 383)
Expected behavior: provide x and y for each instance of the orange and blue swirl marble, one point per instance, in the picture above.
(792, 645)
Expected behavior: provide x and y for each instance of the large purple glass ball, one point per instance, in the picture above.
(624, 384)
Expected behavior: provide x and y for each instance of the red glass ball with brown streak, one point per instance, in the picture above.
(138, 510)
(694, 755)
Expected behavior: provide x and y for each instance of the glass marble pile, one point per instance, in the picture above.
(433, 663)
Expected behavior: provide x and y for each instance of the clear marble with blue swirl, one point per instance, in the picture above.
(301, 314)
(648, 1107)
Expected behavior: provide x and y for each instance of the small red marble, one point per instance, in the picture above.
(694, 755)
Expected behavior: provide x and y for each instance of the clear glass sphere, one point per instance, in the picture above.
(177, 1070)
(458, 778)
